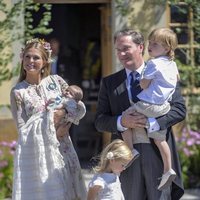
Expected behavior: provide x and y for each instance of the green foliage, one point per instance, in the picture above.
(6, 180)
(189, 75)
(41, 27)
(189, 152)
(189, 2)
(193, 109)
(123, 7)
(185, 163)
(194, 172)
(9, 22)
(6, 168)
(188, 142)
(11, 30)
(189, 137)
(195, 24)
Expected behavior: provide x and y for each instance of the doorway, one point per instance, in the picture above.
(84, 32)
(77, 27)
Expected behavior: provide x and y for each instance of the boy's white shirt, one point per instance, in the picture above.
(153, 124)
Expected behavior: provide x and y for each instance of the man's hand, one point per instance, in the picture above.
(135, 120)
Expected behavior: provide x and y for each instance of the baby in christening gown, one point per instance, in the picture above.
(71, 102)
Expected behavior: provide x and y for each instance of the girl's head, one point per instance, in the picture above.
(36, 54)
(115, 157)
(162, 42)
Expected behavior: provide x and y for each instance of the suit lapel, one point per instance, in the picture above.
(121, 90)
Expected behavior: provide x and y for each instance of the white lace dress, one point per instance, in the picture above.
(110, 186)
(44, 168)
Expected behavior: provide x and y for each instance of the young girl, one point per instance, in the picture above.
(158, 84)
(105, 183)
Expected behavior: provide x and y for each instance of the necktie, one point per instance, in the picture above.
(135, 86)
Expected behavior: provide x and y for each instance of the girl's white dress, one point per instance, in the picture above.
(111, 186)
(44, 168)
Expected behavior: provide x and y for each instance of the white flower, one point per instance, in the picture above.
(110, 155)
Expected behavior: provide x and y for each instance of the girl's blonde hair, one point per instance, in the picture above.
(45, 51)
(167, 38)
(117, 150)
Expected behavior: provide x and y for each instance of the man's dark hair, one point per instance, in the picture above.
(137, 37)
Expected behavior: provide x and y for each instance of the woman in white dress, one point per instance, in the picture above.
(46, 166)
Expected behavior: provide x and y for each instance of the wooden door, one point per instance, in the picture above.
(106, 39)
(106, 52)
(106, 29)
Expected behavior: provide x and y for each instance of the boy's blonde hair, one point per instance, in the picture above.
(117, 150)
(167, 38)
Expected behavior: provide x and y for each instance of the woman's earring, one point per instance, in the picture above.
(42, 71)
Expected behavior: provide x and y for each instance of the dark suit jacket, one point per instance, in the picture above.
(113, 100)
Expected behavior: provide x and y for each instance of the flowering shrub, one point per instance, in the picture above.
(6, 168)
(188, 143)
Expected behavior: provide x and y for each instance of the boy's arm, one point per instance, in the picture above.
(144, 83)
(93, 191)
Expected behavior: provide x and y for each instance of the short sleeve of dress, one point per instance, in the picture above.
(150, 70)
(97, 181)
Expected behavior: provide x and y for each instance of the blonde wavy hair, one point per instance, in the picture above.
(117, 150)
(45, 50)
(167, 38)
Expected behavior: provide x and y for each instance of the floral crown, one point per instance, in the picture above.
(45, 44)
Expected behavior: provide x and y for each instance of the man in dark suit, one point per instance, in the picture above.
(140, 180)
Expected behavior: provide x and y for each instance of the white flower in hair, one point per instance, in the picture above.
(110, 155)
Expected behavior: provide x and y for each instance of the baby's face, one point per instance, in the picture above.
(69, 94)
